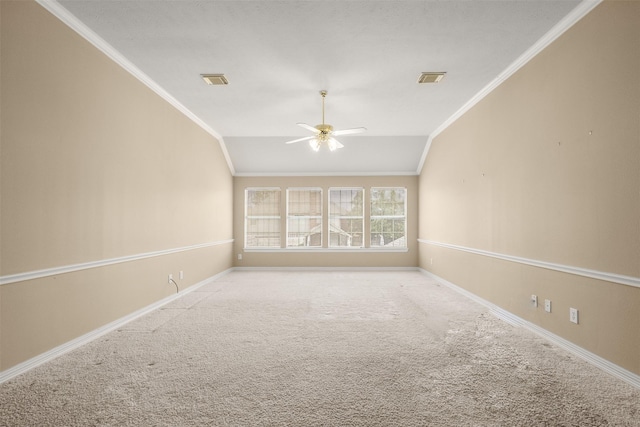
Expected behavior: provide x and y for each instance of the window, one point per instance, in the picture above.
(317, 218)
(346, 217)
(388, 217)
(262, 218)
(304, 217)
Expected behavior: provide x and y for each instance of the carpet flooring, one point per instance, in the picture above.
(319, 349)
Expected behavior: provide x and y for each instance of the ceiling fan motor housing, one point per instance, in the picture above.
(324, 130)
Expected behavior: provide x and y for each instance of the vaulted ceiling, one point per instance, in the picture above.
(278, 55)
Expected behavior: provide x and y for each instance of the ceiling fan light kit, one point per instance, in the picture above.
(324, 133)
(314, 144)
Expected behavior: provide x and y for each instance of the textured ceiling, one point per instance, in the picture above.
(278, 55)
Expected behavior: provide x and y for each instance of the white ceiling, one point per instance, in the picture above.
(278, 55)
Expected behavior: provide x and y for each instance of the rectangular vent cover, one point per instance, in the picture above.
(215, 79)
(431, 77)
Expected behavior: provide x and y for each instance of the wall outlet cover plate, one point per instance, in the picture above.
(573, 315)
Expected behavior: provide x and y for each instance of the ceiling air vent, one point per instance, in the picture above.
(431, 77)
(215, 79)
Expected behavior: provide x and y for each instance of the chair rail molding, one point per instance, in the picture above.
(593, 274)
(30, 275)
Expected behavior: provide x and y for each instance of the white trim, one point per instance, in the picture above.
(610, 368)
(57, 10)
(567, 22)
(30, 275)
(97, 333)
(303, 188)
(324, 268)
(335, 249)
(508, 317)
(332, 174)
(425, 153)
(261, 189)
(578, 271)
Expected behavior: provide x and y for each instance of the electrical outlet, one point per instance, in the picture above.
(181, 276)
(170, 278)
(547, 306)
(240, 257)
(534, 300)
(573, 315)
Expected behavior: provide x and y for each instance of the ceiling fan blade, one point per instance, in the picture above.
(308, 127)
(334, 144)
(349, 131)
(306, 138)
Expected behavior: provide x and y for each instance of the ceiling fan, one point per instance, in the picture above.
(324, 133)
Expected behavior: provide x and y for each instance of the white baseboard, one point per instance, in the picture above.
(610, 368)
(96, 333)
(605, 365)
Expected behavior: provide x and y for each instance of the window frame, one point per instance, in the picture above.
(362, 217)
(319, 217)
(373, 217)
(247, 217)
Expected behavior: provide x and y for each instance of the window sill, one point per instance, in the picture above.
(325, 250)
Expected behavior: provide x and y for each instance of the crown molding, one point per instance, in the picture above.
(560, 28)
(57, 10)
(423, 158)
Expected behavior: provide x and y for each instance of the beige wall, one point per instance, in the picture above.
(547, 167)
(95, 166)
(324, 258)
